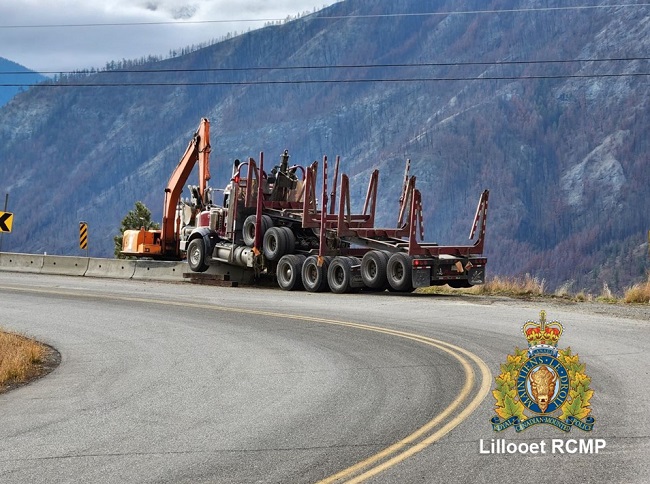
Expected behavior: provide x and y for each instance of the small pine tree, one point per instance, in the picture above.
(137, 218)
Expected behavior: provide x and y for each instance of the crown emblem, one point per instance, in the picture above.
(542, 336)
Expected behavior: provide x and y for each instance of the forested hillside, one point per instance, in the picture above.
(12, 73)
(527, 103)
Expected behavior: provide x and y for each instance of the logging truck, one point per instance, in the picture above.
(290, 224)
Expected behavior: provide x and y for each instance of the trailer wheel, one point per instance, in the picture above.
(275, 243)
(339, 275)
(398, 272)
(373, 269)
(289, 272)
(291, 240)
(196, 256)
(314, 278)
(248, 230)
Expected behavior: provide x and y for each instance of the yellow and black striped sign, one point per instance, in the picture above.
(6, 221)
(83, 235)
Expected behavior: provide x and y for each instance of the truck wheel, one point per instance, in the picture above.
(398, 272)
(289, 272)
(275, 243)
(314, 278)
(339, 274)
(373, 269)
(196, 256)
(248, 230)
(291, 240)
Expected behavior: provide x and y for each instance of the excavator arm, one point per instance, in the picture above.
(198, 149)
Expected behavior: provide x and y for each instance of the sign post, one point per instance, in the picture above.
(6, 221)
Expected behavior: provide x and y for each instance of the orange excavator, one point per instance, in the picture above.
(178, 216)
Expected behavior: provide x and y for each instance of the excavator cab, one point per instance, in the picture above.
(141, 243)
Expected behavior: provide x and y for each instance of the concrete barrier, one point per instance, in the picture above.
(111, 268)
(12, 262)
(155, 270)
(64, 265)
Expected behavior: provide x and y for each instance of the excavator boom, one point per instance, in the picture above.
(198, 149)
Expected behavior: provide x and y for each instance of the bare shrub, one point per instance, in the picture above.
(639, 293)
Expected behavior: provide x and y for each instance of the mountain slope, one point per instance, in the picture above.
(12, 73)
(562, 146)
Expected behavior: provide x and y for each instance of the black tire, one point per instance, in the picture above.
(289, 272)
(248, 230)
(196, 256)
(388, 254)
(399, 271)
(301, 258)
(339, 275)
(291, 240)
(267, 223)
(275, 243)
(314, 278)
(373, 269)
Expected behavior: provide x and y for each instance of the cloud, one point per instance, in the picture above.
(73, 44)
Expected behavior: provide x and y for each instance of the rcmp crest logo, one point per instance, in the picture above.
(542, 385)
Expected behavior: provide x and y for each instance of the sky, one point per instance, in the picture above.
(39, 34)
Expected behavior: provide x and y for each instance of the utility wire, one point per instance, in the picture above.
(345, 66)
(315, 16)
(333, 81)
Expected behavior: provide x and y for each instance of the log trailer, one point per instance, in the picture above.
(272, 223)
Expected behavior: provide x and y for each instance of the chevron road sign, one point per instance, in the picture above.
(6, 221)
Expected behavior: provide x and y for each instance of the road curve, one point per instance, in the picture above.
(181, 383)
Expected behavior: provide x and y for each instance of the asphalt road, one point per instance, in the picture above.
(182, 383)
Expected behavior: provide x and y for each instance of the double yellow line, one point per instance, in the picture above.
(457, 411)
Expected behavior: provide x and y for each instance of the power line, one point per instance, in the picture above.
(333, 81)
(313, 17)
(344, 66)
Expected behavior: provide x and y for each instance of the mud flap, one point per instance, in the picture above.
(356, 280)
(476, 276)
(421, 276)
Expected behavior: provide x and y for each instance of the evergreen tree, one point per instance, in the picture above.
(137, 218)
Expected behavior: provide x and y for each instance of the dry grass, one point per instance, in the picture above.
(523, 286)
(529, 286)
(607, 296)
(639, 293)
(583, 297)
(20, 358)
(512, 286)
